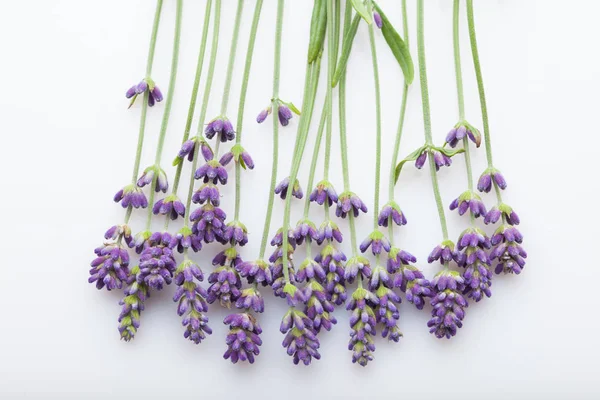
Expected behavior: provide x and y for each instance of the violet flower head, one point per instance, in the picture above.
(490, 177)
(392, 211)
(502, 210)
(349, 202)
(277, 240)
(157, 262)
(188, 149)
(329, 231)
(473, 243)
(448, 304)
(110, 267)
(251, 299)
(377, 19)
(421, 159)
(255, 271)
(310, 269)
(222, 127)
(213, 172)
(469, 200)
(444, 252)
(185, 239)
(305, 230)
(293, 295)
(463, 130)
(279, 281)
(386, 310)
(239, 155)
(225, 281)
(318, 308)
(208, 222)
(243, 339)
(300, 340)
(507, 250)
(282, 189)
(192, 301)
(131, 307)
(377, 242)
(118, 233)
(145, 85)
(207, 193)
(139, 241)
(413, 283)
(324, 191)
(262, 116)
(332, 261)
(285, 114)
(235, 233)
(357, 265)
(156, 176)
(362, 324)
(170, 206)
(131, 196)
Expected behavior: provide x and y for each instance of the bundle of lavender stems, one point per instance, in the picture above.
(367, 278)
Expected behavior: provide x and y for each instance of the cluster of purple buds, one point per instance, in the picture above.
(145, 85)
(300, 341)
(255, 271)
(355, 267)
(131, 196)
(170, 206)
(284, 112)
(469, 200)
(378, 20)
(318, 308)
(392, 211)
(154, 175)
(243, 339)
(323, 192)
(251, 299)
(222, 127)
(192, 301)
(239, 155)
(386, 310)
(207, 193)
(444, 252)
(332, 260)
(157, 262)
(305, 230)
(448, 304)
(225, 281)
(185, 239)
(139, 241)
(110, 267)
(349, 202)
(473, 243)
(212, 171)
(408, 277)
(490, 177)
(235, 233)
(502, 210)
(329, 231)
(508, 250)
(377, 242)
(362, 324)
(188, 149)
(131, 307)
(208, 222)
(441, 157)
(276, 260)
(463, 130)
(282, 189)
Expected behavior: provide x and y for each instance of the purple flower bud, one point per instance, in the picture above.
(131, 92)
(377, 19)
(157, 94)
(225, 286)
(391, 209)
(257, 271)
(132, 196)
(491, 175)
(213, 172)
(282, 189)
(207, 193)
(377, 241)
(448, 304)
(285, 114)
(441, 160)
(324, 191)
(243, 339)
(305, 230)
(349, 202)
(170, 206)
(420, 162)
(141, 87)
(469, 201)
(262, 116)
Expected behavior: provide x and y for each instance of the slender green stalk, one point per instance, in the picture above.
(232, 51)
(427, 113)
(378, 121)
(205, 99)
(195, 87)
(244, 90)
(315, 156)
(168, 104)
(332, 39)
(142, 131)
(396, 152)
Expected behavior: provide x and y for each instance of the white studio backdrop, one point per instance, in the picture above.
(68, 143)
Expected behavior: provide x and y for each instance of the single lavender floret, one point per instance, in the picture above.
(349, 202)
(119, 232)
(357, 265)
(282, 189)
(235, 233)
(448, 304)
(262, 116)
(243, 339)
(285, 114)
(251, 299)
(377, 19)
(445, 252)
(505, 211)
(146, 84)
(188, 149)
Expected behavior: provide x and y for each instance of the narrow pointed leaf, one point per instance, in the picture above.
(362, 10)
(346, 48)
(318, 27)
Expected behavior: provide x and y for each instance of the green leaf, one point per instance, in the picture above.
(362, 10)
(398, 46)
(318, 26)
(346, 48)
(450, 152)
(294, 109)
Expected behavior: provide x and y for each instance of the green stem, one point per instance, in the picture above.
(427, 114)
(378, 120)
(153, 37)
(244, 91)
(205, 99)
(232, 51)
(195, 87)
(332, 38)
(168, 104)
(478, 74)
(400, 129)
(315, 157)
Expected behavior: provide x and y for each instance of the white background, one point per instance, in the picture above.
(67, 146)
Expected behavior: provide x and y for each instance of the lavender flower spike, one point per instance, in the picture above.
(362, 324)
(508, 250)
(300, 341)
(222, 127)
(349, 202)
(324, 191)
(318, 308)
(391, 209)
(132, 305)
(109, 268)
(491, 176)
(157, 262)
(469, 200)
(473, 243)
(131, 196)
(243, 339)
(448, 304)
(282, 189)
(192, 304)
